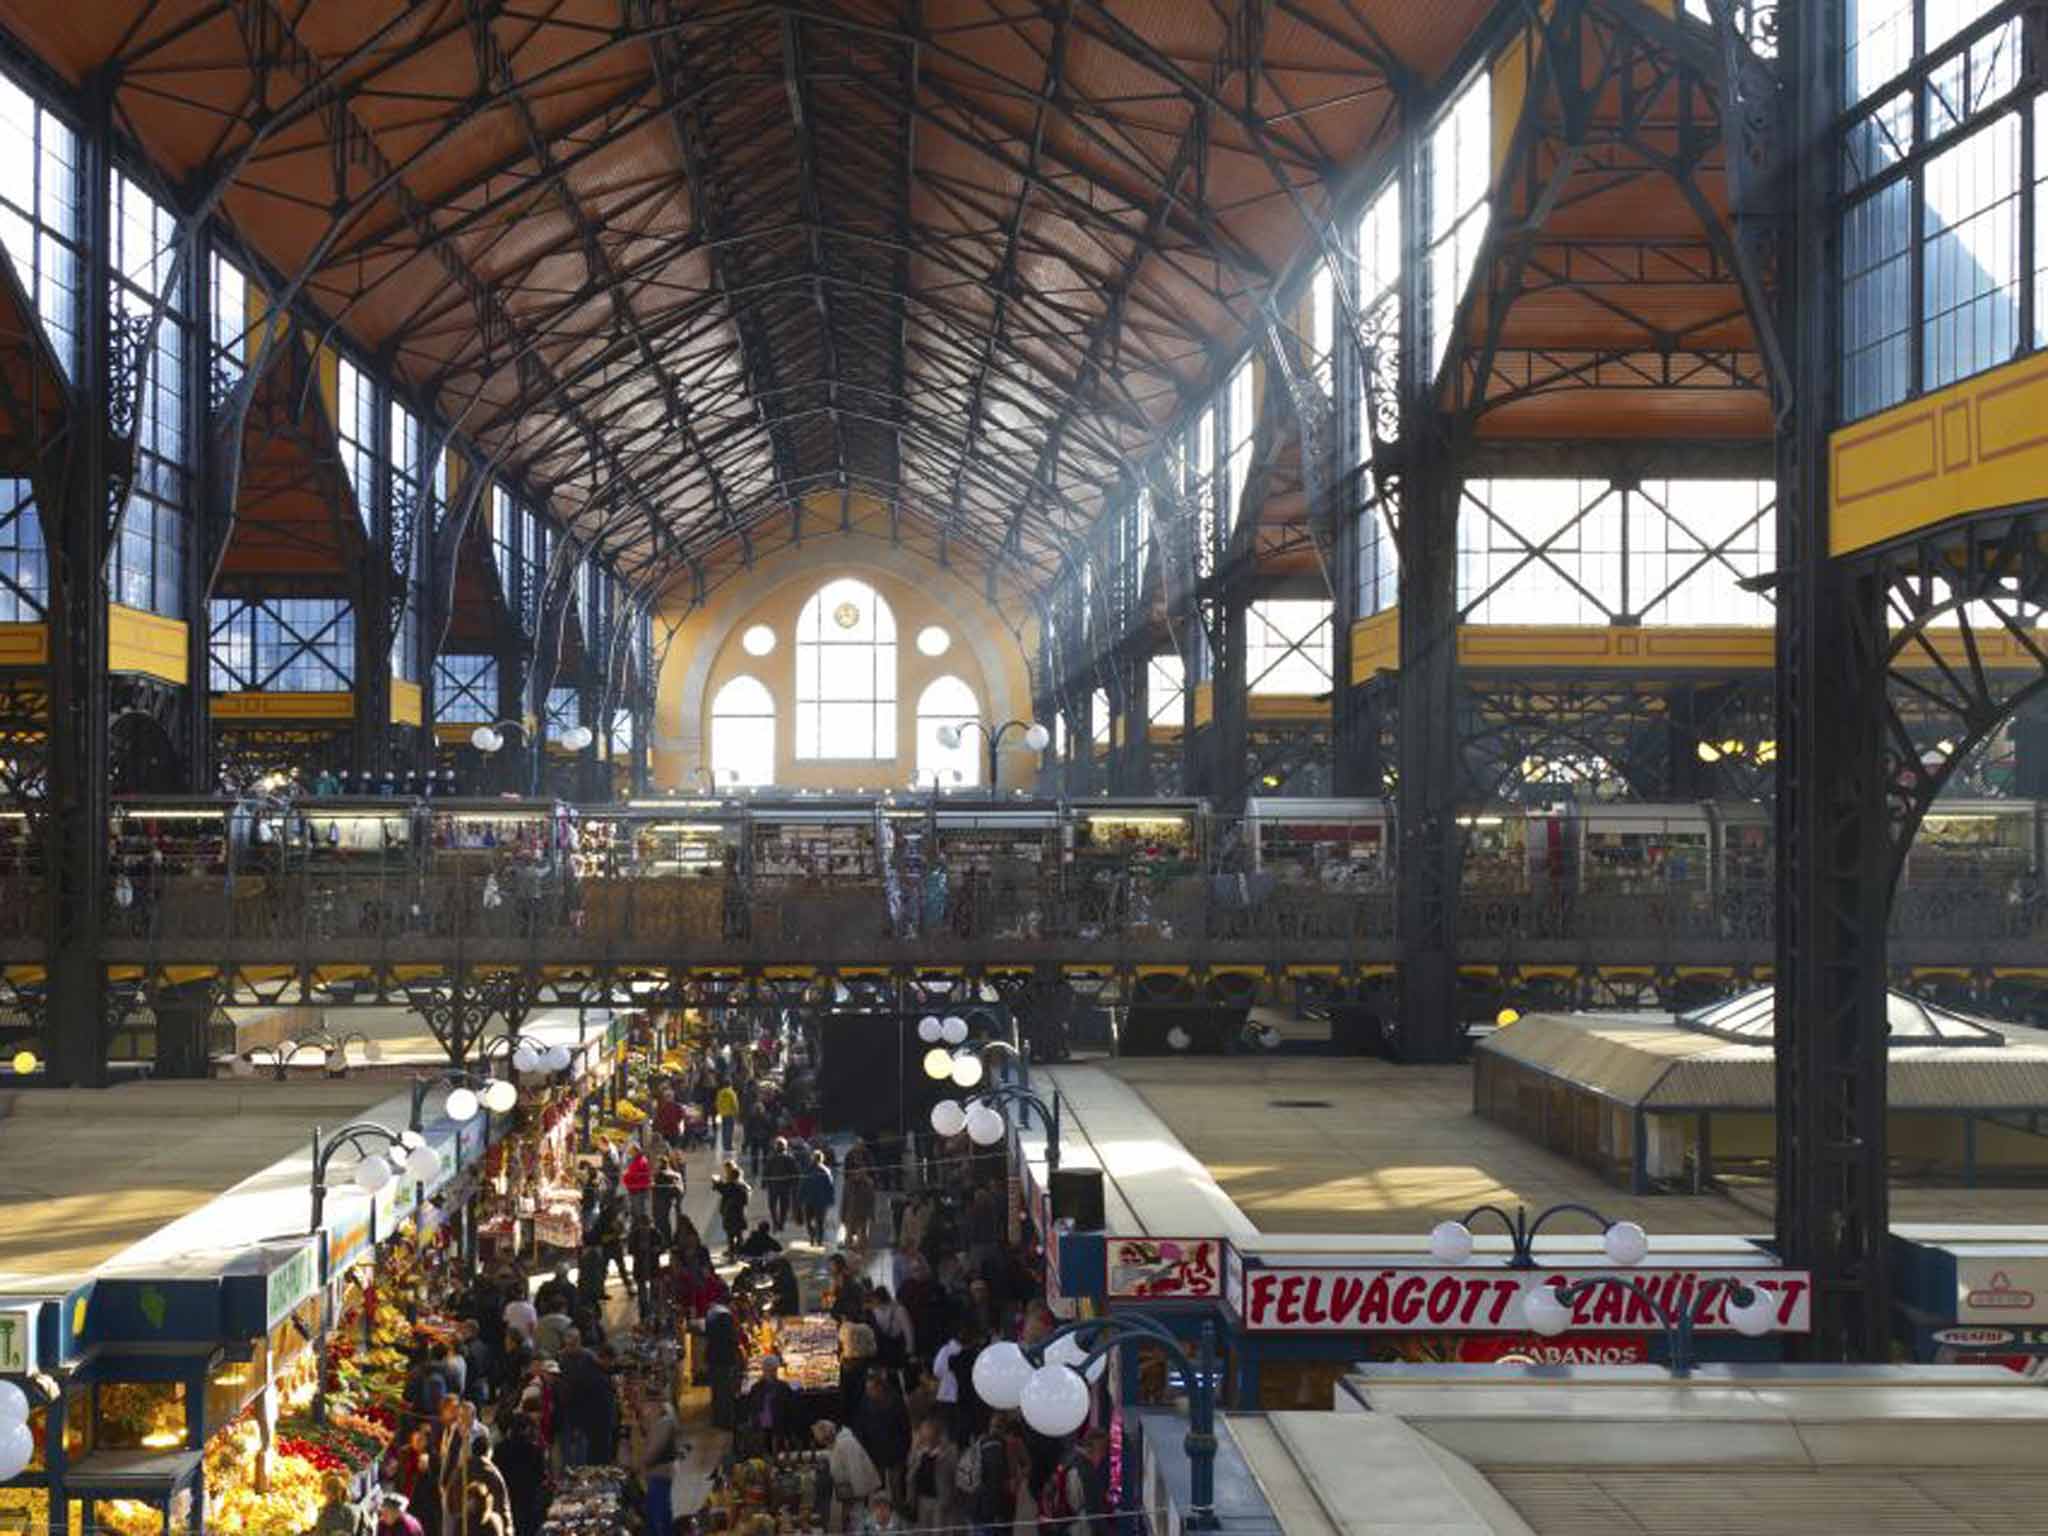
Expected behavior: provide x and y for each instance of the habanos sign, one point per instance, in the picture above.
(1486, 1300)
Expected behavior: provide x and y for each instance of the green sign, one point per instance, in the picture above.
(17, 1341)
(291, 1283)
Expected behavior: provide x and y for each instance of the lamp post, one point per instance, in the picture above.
(1450, 1242)
(525, 1053)
(981, 1117)
(374, 1146)
(1048, 1383)
(467, 1093)
(1035, 737)
(1548, 1310)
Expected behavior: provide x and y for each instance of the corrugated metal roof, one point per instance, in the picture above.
(1649, 1060)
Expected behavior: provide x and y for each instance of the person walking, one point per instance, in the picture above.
(638, 1181)
(727, 1108)
(857, 1199)
(852, 1471)
(587, 1405)
(930, 1480)
(733, 1193)
(781, 1173)
(816, 1194)
(659, 1441)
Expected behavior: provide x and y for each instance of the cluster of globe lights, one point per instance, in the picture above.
(17, 1444)
(1626, 1245)
(943, 1063)
(1053, 1396)
(487, 739)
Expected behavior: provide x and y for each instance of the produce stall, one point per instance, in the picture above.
(590, 1501)
(785, 1495)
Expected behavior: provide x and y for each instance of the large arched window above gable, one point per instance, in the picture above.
(742, 734)
(947, 701)
(846, 674)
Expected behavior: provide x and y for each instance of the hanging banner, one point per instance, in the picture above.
(1487, 1300)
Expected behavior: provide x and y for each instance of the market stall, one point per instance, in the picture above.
(1974, 1296)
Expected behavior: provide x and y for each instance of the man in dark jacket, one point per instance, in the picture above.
(764, 1415)
(882, 1426)
(722, 1362)
(586, 1405)
(781, 1174)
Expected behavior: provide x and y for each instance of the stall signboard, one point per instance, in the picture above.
(2023, 1349)
(1233, 1281)
(1510, 1349)
(18, 1339)
(1165, 1268)
(1399, 1300)
(386, 1212)
(348, 1240)
(290, 1283)
(2001, 1290)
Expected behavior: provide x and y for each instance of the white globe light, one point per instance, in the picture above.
(13, 1406)
(1179, 1038)
(967, 1070)
(1626, 1243)
(948, 1118)
(17, 1449)
(938, 1063)
(410, 1138)
(929, 1028)
(1000, 1372)
(985, 1125)
(1754, 1318)
(461, 1106)
(576, 738)
(1036, 737)
(525, 1058)
(1543, 1313)
(557, 1058)
(500, 1097)
(954, 1030)
(372, 1174)
(1450, 1242)
(484, 739)
(949, 736)
(241, 1066)
(424, 1164)
(1055, 1401)
(1068, 1350)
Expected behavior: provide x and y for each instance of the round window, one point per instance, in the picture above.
(759, 640)
(934, 641)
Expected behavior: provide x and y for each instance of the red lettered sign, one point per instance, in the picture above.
(1486, 1300)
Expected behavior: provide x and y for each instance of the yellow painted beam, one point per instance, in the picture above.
(1376, 645)
(1976, 446)
(24, 645)
(1205, 703)
(259, 708)
(145, 643)
(408, 704)
(1287, 706)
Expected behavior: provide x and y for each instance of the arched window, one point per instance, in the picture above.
(948, 701)
(846, 673)
(742, 734)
